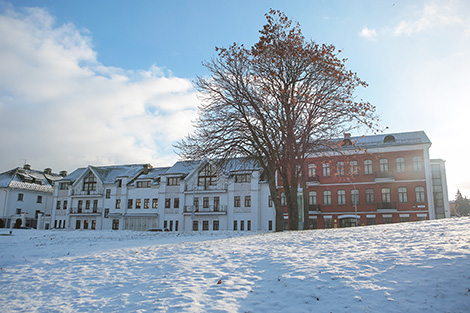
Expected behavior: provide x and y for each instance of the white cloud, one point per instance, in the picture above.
(368, 33)
(431, 16)
(61, 108)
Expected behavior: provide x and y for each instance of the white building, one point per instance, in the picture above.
(190, 195)
(26, 197)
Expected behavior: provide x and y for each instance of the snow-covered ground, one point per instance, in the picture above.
(408, 267)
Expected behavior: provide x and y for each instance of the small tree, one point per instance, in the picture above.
(275, 103)
(462, 204)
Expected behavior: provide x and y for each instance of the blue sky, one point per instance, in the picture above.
(109, 82)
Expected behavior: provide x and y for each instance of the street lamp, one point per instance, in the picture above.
(355, 202)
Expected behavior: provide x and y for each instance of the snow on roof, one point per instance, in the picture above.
(385, 140)
(182, 167)
(154, 173)
(108, 174)
(28, 179)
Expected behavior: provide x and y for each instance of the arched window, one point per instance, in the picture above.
(402, 194)
(389, 138)
(207, 176)
(89, 183)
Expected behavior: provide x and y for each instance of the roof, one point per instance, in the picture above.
(28, 179)
(182, 168)
(154, 173)
(386, 140)
(108, 174)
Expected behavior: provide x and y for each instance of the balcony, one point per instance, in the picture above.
(313, 180)
(386, 206)
(218, 187)
(81, 211)
(314, 208)
(77, 192)
(190, 209)
(384, 176)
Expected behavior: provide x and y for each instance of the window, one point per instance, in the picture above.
(176, 203)
(370, 196)
(235, 226)
(115, 224)
(248, 225)
(215, 225)
(216, 203)
(353, 169)
(173, 181)
(270, 225)
(243, 178)
(283, 199)
(171, 225)
(354, 196)
(312, 197)
(95, 205)
(138, 203)
(340, 168)
(400, 165)
(387, 219)
(106, 212)
(383, 165)
(146, 203)
(327, 197)
(328, 222)
(108, 193)
(93, 224)
(65, 204)
(87, 204)
(207, 176)
(341, 197)
(402, 195)
(196, 203)
(420, 194)
(85, 224)
(89, 183)
(144, 184)
(155, 203)
(242, 225)
(80, 204)
(270, 201)
(63, 186)
(176, 225)
(39, 199)
(205, 202)
(326, 169)
(20, 197)
(386, 197)
(247, 201)
(195, 225)
(311, 170)
(129, 203)
(77, 224)
(371, 221)
(18, 211)
(205, 225)
(165, 225)
(167, 203)
(58, 205)
(417, 164)
(368, 167)
(404, 218)
(118, 204)
(236, 201)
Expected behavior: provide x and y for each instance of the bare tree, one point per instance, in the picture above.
(275, 103)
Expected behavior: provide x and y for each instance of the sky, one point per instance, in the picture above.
(111, 82)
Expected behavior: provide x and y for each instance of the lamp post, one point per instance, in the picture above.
(355, 202)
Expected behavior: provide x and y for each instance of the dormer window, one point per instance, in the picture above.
(243, 178)
(346, 142)
(89, 183)
(173, 181)
(144, 184)
(207, 176)
(389, 139)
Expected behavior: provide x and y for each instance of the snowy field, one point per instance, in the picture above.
(408, 267)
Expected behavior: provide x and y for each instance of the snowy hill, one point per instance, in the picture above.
(407, 267)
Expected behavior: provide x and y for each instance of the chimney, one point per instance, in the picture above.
(347, 135)
(48, 171)
(63, 173)
(27, 167)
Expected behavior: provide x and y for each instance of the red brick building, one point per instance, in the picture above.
(378, 179)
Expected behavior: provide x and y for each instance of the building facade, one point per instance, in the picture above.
(26, 197)
(376, 180)
(368, 180)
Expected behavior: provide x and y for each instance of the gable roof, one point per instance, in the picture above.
(28, 179)
(107, 174)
